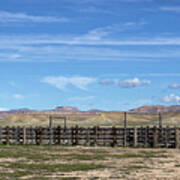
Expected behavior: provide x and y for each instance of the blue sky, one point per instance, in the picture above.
(93, 54)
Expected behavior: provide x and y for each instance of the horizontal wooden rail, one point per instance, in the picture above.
(100, 136)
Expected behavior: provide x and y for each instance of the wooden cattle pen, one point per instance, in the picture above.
(126, 137)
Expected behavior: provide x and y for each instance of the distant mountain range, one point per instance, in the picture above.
(156, 109)
(58, 109)
(69, 109)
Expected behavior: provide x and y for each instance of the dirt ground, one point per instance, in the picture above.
(60, 162)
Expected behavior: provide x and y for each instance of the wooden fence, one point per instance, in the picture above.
(126, 137)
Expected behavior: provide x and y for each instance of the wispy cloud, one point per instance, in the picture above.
(98, 37)
(170, 8)
(9, 55)
(166, 9)
(107, 82)
(18, 96)
(18, 49)
(161, 74)
(128, 83)
(141, 75)
(107, 1)
(174, 86)
(8, 17)
(132, 83)
(78, 53)
(87, 46)
(62, 82)
(172, 98)
(95, 10)
(102, 32)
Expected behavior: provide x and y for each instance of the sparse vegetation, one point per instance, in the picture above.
(142, 154)
(136, 167)
(61, 162)
(55, 167)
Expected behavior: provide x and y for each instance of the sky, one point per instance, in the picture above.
(92, 54)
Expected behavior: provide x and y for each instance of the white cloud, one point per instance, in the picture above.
(17, 96)
(62, 82)
(107, 1)
(11, 56)
(172, 98)
(58, 53)
(128, 83)
(132, 83)
(3, 109)
(141, 75)
(93, 9)
(107, 82)
(6, 17)
(174, 86)
(170, 8)
(100, 33)
(161, 74)
(14, 56)
(98, 37)
(88, 46)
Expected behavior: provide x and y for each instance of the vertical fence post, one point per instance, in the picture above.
(177, 143)
(146, 144)
(17, 135)
(50, 129)
(114, 136)
(77, 136)
(59, 135)
(37, 136)
(50, 135)
(7, 135)
(135, 138)
(87, 136)
(72, 135)
(166, 134)
(65, 122)
(160, 120)
(124, 138)
(40, 135)
(125, 120)
(24, 135)
(125, 126)
(155, 137)
(95, 135)
(0, 135)
(50, 121)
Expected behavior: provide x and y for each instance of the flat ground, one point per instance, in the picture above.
(62, 162)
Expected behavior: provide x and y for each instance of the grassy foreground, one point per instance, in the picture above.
(60, 162)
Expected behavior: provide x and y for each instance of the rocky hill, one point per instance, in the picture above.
(69, 109)
(66, 109)
(156, 109)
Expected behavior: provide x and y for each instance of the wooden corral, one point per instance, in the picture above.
(126, 137)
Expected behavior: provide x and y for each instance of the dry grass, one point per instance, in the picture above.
(103, 119)
(57, 162)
